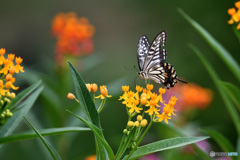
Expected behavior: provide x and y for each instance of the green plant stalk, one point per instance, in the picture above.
(230, 107)
(139, 141)
(101, 105)
(126, 144)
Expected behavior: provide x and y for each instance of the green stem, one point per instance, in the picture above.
(139, 141)
(93, 97)
(101, 105)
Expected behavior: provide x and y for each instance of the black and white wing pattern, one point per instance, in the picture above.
(142, 50)
(156, 54)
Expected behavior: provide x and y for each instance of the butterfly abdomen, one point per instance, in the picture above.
(170, 75)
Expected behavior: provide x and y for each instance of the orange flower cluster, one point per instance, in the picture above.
(135, 102)
(74, 35)
(8, 69)
(235, 15)
(193, 96)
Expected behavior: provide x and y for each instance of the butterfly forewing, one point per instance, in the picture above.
(156, 54)
(143, 46)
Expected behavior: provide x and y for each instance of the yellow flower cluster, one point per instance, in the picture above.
(144, 98)
(7, 71)
(235, 15)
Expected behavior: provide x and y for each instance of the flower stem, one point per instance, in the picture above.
(101, 105)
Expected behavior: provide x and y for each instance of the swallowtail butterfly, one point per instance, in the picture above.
(151, 61)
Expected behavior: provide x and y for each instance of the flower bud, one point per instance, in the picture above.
(71, 96)
(143, 123)
(88, 87)
(12, 95)
(139, 118)
(94, 87)
(130, 123)
(125, 131)
(136, 123)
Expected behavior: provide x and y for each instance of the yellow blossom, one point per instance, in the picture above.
(104, 92)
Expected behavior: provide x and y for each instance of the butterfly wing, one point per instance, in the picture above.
(157, 73)
(156, 54)
(142, 51)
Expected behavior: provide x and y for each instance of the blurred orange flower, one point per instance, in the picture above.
(74, 35)
(235, 15)
(193, 96)
(92, 157)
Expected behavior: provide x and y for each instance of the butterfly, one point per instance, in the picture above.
(151, 61)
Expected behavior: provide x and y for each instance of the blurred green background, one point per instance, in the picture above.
(25, 31)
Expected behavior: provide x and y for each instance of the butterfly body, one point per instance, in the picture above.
(151, 61)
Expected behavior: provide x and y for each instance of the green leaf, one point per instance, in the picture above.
(27, 99)
(164, 145)
(219, 49)
(98, 133)
(222, 141)
(49, 147)
(180, 132)
(231, 109)
(233, 92)
(43, 132)
(84, 97)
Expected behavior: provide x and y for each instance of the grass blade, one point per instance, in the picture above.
(49, 147)
(97, 133)
(43, 132)
(233, 92)
(222, 141)
(27, 97)
(219, 49)
(230, 107)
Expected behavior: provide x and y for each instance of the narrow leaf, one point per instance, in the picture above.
(30, 96)
(165, 145)
(231, 109)
(222, 141)
(49, 147)
(233, 92)
(237, 33)
(219, 49)
(98, 133)
(43, 132)
(180, 132)
(84, 97)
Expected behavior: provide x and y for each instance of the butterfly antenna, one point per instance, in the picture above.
(129, 68)
(181, 81)
(135, 68)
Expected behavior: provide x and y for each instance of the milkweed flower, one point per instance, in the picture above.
(235, 15)
(104, 92)
(148, 102)
(9, 65)
(74, 35)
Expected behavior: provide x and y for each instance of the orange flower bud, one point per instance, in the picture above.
(231, 11)
(8, 85)
(94, 87)
(143, 100)
(11, 70)
(88, 87)
(104, 90)
(237, 4)
(70, 96)
(8, 77)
